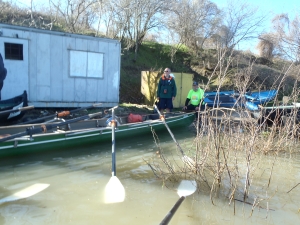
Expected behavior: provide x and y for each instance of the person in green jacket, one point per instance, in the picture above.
(194, 97)
(166, 91)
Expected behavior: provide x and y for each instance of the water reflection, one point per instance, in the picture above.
(77, 180)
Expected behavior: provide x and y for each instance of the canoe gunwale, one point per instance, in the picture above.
(74, 138)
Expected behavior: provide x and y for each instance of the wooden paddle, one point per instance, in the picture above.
(20, 109)
(114, 190)
(45, 127)
(25, 193)
(185, 188)
(187, 160)
(59, 115)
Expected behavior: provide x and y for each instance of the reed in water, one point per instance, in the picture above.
(228, 149)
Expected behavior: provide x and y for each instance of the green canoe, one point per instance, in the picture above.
(82, 133)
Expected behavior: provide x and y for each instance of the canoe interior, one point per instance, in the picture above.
(86, 133)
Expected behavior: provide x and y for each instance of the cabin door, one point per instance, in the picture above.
(15, 57)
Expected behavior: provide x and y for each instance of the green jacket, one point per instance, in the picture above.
(166, 87)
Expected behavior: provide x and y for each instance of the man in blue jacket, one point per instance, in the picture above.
(166, 91)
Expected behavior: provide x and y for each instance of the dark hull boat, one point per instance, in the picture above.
(275, 114)
(8, 108)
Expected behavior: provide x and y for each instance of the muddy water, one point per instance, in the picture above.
(78, 177)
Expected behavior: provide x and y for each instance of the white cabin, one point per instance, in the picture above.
(60, 69)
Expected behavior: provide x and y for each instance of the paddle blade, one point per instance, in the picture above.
(114, 191)
(186, 188)
(25, 193)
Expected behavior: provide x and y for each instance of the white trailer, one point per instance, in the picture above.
(60, 69)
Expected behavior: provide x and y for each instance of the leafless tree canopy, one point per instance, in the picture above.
(266, 46)
(287, 35)
(76, 13)
(196, 24)
(192, 21)
(240, 23)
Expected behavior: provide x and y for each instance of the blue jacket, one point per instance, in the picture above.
(166, 87)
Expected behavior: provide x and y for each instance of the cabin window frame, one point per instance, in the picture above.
(86, 64)
(13, 51)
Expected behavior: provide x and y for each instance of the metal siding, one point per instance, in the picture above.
(32, 74)
(80, 89)
(92, 84)
(81, 44)
(103, 84)
(43, 67)
(69, 82)
(93, 46)
(113, 68)
(91, 90)
(48, 68)
(16, 80)
(56, 68)
(80, 83)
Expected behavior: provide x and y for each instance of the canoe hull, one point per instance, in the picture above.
(249, 101)
(89, 136)
(225, 101)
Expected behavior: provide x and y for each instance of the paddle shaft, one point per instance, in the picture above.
(163, 119)
(169, 216)
(45, 127)
(17, 110)
(38, 120)
(113, 149)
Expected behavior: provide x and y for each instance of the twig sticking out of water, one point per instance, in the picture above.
(293, 188)
(253, 205)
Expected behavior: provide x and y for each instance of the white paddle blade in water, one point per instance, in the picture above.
(25, 193)
(114, 191)
(186, 188)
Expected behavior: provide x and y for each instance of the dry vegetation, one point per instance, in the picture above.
(229, 145)
(225, 153)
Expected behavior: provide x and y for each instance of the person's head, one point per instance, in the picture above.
(167, 72)
(195, 85)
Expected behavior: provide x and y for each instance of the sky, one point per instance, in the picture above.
(265, 7)
(275, 6)
(269, 8)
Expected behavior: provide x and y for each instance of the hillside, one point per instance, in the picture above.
(242, 70)
(235, 70)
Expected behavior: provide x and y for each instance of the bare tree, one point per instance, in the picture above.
(192, 21)
(241, 23)
(266, 46)
(99, 9)
(76, 13)
(287, 35)
(12, 13)
(130, 21)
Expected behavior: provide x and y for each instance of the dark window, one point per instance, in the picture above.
(13, 51)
